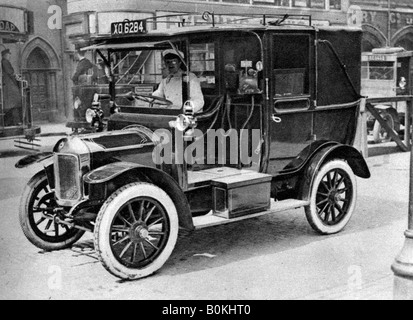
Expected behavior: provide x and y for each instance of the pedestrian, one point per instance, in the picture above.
(170, 87)
(13, 107)
(402, 89)
(82, 70)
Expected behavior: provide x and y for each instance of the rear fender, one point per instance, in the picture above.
(104, 181)
(344, 152)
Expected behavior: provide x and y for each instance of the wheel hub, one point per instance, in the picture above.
(139, 233)
(333, 197)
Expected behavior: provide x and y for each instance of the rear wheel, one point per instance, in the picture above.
(333, 198)
(136, 231)
(37, 217)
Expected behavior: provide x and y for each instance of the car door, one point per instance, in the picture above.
(291, 117)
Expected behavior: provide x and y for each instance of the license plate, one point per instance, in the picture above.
(129, 27)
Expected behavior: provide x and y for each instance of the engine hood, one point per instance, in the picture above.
(115, 141)
(133, 145)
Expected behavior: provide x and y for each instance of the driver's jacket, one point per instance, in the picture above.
(170, 88)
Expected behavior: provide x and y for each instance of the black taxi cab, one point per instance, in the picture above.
(274, 129)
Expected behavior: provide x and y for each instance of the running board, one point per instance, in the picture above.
(213, 220)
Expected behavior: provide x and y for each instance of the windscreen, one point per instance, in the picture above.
(156, 72)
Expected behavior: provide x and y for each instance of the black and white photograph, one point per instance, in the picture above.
(206, 155)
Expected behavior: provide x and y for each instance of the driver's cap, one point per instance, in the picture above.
(170, 53)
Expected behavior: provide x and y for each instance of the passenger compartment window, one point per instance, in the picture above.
(291, 66)
(289, 82)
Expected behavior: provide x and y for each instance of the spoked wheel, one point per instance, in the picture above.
(333, 198)
(37, 217)
(136, 231)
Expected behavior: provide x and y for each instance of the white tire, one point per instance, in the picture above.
(333, 198)
(136, 231)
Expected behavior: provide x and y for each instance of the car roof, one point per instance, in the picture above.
(160, 36)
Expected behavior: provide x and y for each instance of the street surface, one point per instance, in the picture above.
(272, 257)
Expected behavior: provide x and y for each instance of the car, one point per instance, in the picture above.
(387, 73)
(277, 131)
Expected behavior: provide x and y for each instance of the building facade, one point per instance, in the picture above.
(385, 22)
(35, 39)
(88, 18)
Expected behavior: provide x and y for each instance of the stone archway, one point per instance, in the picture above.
(404, 38)
(372, 38)
(40, 66)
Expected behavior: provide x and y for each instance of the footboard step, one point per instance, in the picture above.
(212, 220)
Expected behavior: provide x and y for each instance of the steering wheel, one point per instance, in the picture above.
(152, 99)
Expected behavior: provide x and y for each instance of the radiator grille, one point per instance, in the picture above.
(68, 185)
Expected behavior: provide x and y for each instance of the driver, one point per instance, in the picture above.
(170, 88)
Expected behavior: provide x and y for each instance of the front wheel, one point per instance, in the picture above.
(333, 198)
(136, 231)
(37, 217)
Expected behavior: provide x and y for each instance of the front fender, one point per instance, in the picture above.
(104, 181)
(353, 157)
(32, 159)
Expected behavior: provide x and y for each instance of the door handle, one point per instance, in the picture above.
(276, 119)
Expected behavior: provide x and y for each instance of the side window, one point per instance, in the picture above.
(381, 70)
(242, 64)
(202, 61)
(291, 56)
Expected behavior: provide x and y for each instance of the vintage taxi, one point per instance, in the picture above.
(277, 132)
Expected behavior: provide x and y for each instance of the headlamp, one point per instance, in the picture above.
(60, 145)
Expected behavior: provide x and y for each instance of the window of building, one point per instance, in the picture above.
(318, 4)
(238, 1)
(282, 3)
(335, 4)
(315, 4)
(301, 3)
